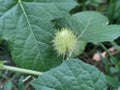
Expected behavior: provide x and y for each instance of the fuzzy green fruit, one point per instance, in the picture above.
(65, 42)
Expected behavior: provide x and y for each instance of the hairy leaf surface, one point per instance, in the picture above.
(72, 74)
(26, 25)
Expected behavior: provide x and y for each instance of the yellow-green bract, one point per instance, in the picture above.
(65, 41)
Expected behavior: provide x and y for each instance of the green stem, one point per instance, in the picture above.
(21, 70)
(113, 58)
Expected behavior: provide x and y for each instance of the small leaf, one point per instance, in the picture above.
(111, 81)
(8, 85)
(1, 64)
(119, 88)
(21, 85)
(71, 75)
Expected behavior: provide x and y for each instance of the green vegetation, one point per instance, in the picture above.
(59, 44)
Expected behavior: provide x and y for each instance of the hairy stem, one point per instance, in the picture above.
(21, 70)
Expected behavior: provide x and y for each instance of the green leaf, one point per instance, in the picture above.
(21, 85)
(111, 81)
(8, 85)
(1, 64)
(71, 75)
(95, 3)
(119, 88)
(26, 25)
(91, 26)
(113, 11)
(80, 49)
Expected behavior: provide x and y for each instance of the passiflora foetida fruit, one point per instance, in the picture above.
(65, 42)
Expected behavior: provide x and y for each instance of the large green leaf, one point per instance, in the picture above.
(71, 75)
(91, 26)
(26, 25)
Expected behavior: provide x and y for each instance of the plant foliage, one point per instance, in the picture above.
(26, 25)
(71, 75)
(30, 26)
